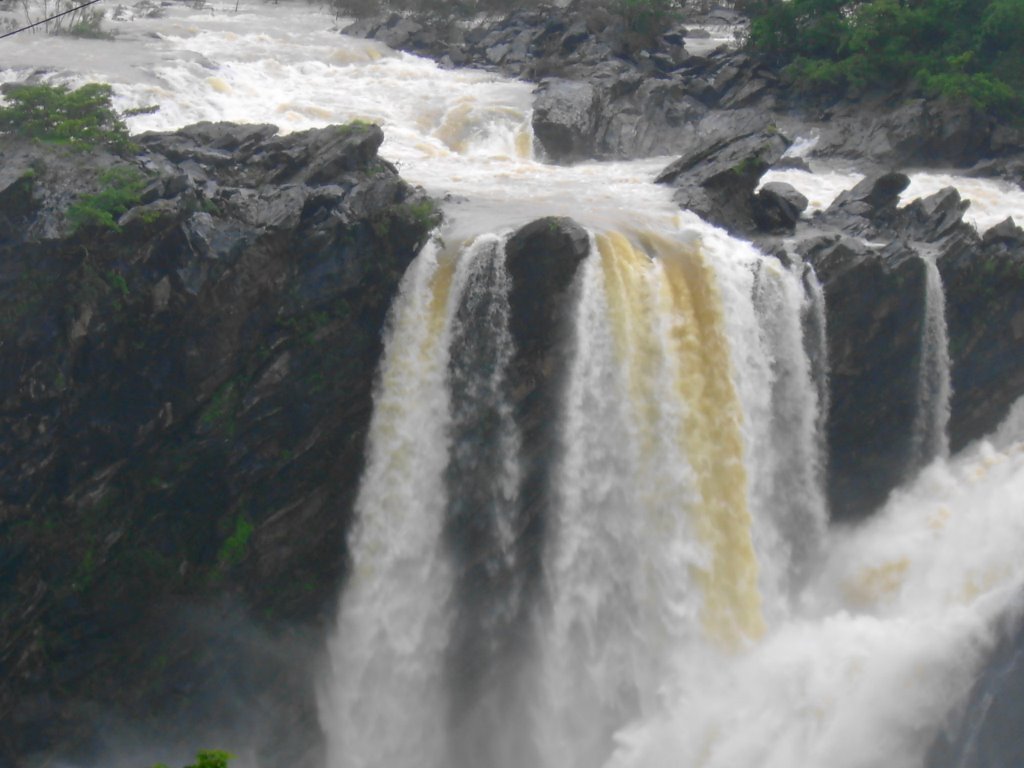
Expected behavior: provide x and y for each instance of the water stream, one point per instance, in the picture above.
(695, 609)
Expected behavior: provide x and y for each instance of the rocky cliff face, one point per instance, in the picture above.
(188, 339)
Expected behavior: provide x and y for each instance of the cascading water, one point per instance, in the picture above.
(394, 621)
(653, 546)
(691, 610)
(929, 439)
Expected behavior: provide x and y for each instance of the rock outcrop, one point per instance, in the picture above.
(188, 340)
(874, 301)
(869, 255)
(717, 182)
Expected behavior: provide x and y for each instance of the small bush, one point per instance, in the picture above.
(123, 185)
(79, 118)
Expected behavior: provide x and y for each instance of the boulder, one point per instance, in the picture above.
(777, 207)
(565, 119)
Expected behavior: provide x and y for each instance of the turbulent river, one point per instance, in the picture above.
(690, 604)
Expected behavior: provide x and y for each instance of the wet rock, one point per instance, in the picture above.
(984, 286)
(875, 307)
(794, 163)
(986, 732)
(717, 182)
(542, 260)
(564, 119)
(869, 207)
(899, 130)
(934, 217)
(1005, 231)
(777, 207)
(202, 368)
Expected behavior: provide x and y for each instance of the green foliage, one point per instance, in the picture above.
(963, 49)
(424, 212)
(79, 118)
(122, 187)
(210, 758)
(234, 548)
(646, 18)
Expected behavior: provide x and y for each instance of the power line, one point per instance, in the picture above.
(51, 18)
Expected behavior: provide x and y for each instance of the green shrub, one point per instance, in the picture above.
(79, 118)
(964, 49)
(210, 758)
(122, 187)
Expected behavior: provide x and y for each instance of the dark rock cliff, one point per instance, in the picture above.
(185, 387)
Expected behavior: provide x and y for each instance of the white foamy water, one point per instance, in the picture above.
(892, 635)
(694, 610)
(820, 187)
(992, 200)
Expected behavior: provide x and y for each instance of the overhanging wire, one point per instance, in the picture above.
(51, 18)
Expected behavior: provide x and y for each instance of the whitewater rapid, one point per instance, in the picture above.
(697, 608)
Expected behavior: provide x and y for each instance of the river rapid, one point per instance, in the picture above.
(695, 606)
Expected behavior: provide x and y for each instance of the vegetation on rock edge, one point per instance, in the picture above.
(961, 49)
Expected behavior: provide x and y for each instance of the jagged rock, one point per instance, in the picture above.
(582, 42)
(867, 208)
(1005, 231)
(934, 217)
(875, 305)
(984, 286)
(203, 368)
(718, 181)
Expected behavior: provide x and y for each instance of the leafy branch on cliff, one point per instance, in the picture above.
(971, 49)
(81, 118)
(122, 187)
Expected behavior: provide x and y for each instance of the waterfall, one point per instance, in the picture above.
(691, 607)
(929, 439)
(791, 491)
(482, 523)
(401, 613)
(652, 553)
(816, 343)
(393, 623)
